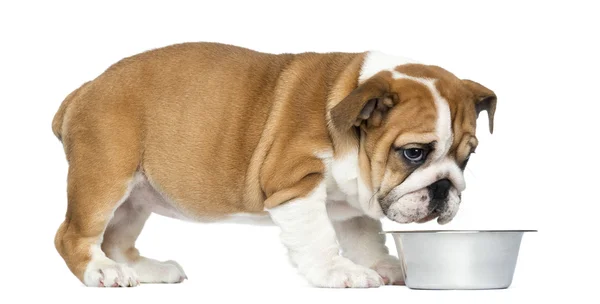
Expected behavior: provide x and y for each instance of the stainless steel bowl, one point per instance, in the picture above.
(458, 259)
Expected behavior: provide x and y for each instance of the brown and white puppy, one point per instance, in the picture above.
(322, 145)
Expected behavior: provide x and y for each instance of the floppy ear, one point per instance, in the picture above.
(367, 103)
(485, 100)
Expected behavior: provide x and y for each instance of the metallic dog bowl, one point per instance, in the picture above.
(458, 259)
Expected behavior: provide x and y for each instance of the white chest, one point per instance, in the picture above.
(342, 180)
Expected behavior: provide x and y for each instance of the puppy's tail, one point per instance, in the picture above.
(57, 122)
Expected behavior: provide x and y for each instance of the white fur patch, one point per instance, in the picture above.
(368, 201)
(376, 62)
(443, 127)
(153, 271)
(361, 240)
(340, 210)
(347, 194)
(308, 233)
(343, 174)
(409, 207)
(363, 244)
(104, 272)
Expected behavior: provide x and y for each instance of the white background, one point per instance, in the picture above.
(537, 171)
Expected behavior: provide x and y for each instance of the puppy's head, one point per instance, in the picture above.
(416, 126)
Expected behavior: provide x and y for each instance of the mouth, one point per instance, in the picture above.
(416, 208)
(435, 213)
(437, 208)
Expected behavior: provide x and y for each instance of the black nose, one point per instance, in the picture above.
(439, 190)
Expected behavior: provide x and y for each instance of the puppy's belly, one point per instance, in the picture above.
(145, 196)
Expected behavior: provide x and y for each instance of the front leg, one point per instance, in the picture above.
(362, 243)
(310, 238)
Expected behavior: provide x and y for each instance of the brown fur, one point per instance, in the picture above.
(220, 129)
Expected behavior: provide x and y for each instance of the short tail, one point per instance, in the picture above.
(57, 122)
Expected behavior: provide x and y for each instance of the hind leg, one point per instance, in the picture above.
(120, 237)
(102, 173)
(94, 194)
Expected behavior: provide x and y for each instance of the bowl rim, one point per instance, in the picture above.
(455, 231)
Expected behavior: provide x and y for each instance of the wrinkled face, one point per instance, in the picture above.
(416, 138)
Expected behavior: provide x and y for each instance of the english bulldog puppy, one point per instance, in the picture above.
(323, 145)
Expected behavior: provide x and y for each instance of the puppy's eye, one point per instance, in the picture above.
(414, 155)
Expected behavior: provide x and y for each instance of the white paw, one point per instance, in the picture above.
(390, 269)
(153, 271)
(341, 273)
(107, 273)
